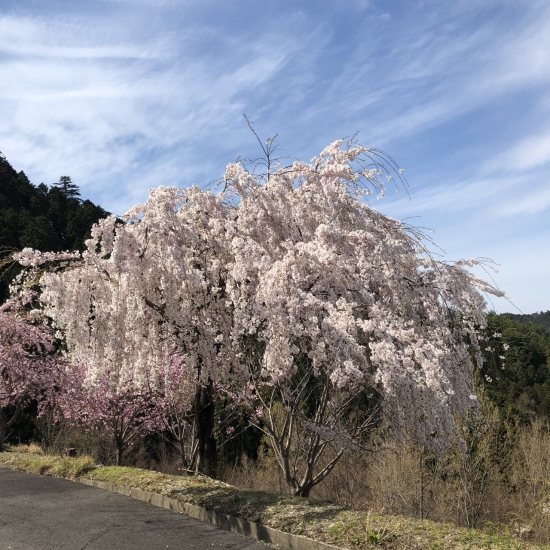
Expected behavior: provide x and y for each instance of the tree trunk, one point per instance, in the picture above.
(4, 425)
(207, 462)
(303, 491)
(119, 453)
(2, 432)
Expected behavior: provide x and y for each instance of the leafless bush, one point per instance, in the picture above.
(348, 483)
(407, 480)
(530, 481)
(262, 474)
(158, 455)
(56, 436)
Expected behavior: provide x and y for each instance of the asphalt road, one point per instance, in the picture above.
(44, 513)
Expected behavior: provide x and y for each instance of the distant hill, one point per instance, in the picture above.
(542, 318)
(48, 218)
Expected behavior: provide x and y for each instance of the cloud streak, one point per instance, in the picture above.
(87, 112)
(528, 153)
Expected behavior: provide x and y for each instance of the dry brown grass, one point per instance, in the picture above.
(31, 448)
(501, 485)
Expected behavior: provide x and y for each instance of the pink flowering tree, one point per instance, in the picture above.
(29, 366)
(126, 413)
(288, 282)
(174, 408)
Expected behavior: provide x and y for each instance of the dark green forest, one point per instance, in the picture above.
(516, 370)
(45, 217)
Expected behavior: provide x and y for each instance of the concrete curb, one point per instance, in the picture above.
(280, 539)
(285, 541)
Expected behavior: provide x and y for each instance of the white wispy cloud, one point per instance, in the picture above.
(528, 153)
(455, 197)
(484, 198)
(102, 117)
(427, 77)
(527, 202)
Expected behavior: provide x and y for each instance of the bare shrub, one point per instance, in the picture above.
(48, 429)
(168, 459)
(530, 481)
(58, 435)
(263, 474)
(407, 480)
(349, 483)
(477, 473)
(158, 455)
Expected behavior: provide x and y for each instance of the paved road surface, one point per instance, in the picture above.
(44, 513)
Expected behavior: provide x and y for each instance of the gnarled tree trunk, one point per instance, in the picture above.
(207, 462)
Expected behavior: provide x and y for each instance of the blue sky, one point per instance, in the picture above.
(124, 95)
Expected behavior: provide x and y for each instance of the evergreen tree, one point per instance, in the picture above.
(541, 318)
(67, 187)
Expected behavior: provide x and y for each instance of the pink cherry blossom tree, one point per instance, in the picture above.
(322, 278)
(29, 366)
(174, 408)
(279, 273)
(126, 414)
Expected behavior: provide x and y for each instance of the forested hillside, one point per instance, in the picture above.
(48, 218)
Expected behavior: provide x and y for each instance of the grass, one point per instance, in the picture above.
(38, 463)
(322, 521)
